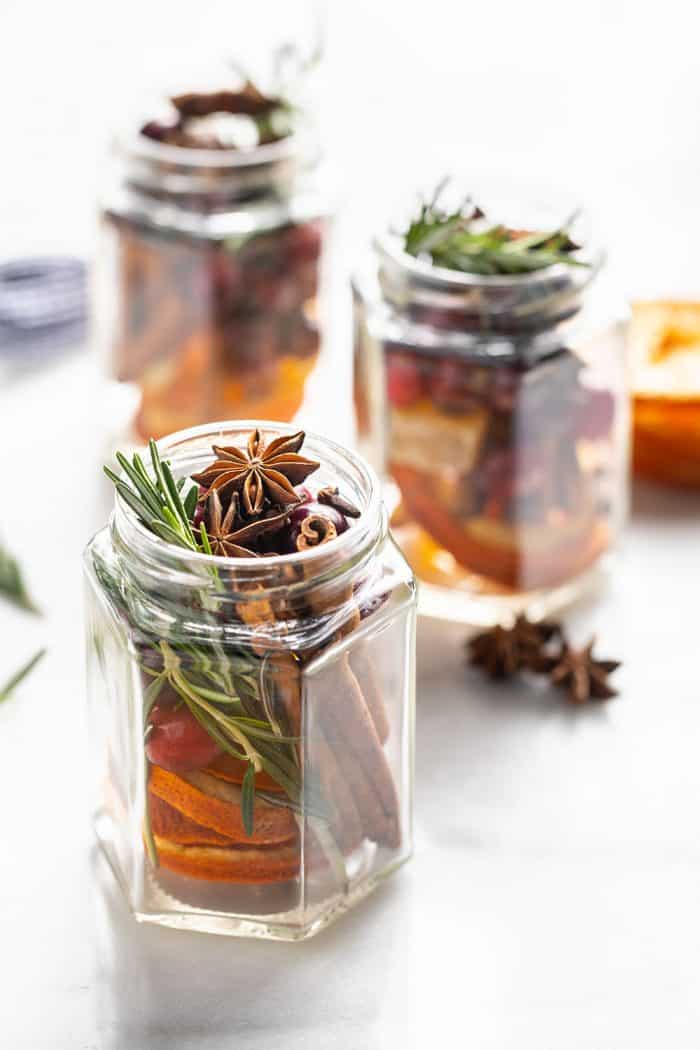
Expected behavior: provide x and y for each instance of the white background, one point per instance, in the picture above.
(553, 900)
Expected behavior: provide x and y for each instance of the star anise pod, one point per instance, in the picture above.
(228, 541)
(259, 472)
(502, 651)
(583, 676)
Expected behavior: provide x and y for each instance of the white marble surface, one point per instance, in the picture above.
(553, 898)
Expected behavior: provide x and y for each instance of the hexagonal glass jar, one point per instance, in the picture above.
(212, 280)
(496, 408)
(302, 664)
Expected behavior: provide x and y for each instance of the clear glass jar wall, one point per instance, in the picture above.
(496, 407)
(211, 285)
(309, 657)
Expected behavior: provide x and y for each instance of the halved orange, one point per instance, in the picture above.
(665, 352)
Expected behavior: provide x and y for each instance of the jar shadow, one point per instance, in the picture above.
(653, 502)
(157, 987)
(477, 742)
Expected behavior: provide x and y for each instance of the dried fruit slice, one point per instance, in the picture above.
(170, 823)
(226, 767)
(525, 556)
(216, 804)
(235, 864)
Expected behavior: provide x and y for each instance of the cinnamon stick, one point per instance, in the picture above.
(346, 825)
(365, 673)
(350, 730)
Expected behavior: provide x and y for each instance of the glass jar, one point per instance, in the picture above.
(304, 661)
(496, 407)
(211, 285)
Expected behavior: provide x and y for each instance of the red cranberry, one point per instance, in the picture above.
(226, 278)
(404, 379)
(176, 741)
(595, 414)
(505, 387)
(454, 386)
(157, 131)
(303, 243)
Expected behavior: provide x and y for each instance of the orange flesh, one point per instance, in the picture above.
(665, 341)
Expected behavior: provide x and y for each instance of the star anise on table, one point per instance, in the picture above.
(502, 651)
(228, 541)
(582, 675)
(260, 472)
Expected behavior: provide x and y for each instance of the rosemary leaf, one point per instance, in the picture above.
(248, 799)
(142, 485)
(166, 532)
(160, 478)
(190, 502)
(453, 241)
(205, 539)
(12, 586)
(175, 497)
(8, 688)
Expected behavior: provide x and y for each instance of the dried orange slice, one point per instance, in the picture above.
(216, 804)
(665, 352)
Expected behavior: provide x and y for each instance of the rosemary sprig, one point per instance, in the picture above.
(158, 504)
(462, 240)
(9, 687)
(12, 585)
(220, 688)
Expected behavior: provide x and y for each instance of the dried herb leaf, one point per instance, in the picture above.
(9, 687)
(12, 586)
(248, 799)
(459, 240)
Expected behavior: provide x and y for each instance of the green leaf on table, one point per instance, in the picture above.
(9, 687)
(12, 586)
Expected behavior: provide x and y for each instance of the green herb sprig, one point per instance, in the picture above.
(158, 504)
(12, 585)
(462, 240)
(223, 689)
(9, 687)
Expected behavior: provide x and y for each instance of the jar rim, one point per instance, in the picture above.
(137, 146)
(364, 533)
(388, 247)
(543, 296)
(183, 174)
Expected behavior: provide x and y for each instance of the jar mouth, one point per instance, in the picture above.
(164, 169)
(141, 146)
(389, 248)
(540, 296)
(188, 450)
